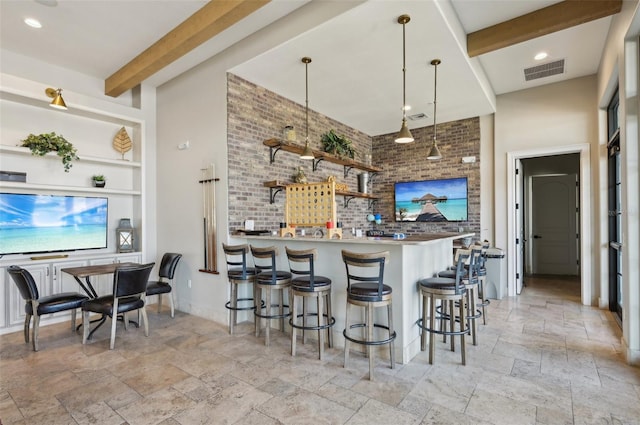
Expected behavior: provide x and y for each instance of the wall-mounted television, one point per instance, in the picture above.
(441, 200)
(51, 223)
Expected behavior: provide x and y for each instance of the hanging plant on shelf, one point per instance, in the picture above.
(337, 145)
(44, 143)
(121, 142)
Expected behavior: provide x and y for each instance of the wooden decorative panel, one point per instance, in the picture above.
(311, 204)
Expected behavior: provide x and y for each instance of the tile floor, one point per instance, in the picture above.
(542, 358)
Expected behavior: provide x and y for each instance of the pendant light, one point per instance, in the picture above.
(434, 153)
(56, 95)
(307, 153)
(404, 136)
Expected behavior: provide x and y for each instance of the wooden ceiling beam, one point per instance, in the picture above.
(210, 20)
(541, 22)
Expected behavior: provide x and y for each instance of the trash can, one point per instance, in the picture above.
(496, 284)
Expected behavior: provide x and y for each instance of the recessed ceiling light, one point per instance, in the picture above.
(540, 56)
(33, 23)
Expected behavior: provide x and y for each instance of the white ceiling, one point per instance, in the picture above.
(356, 73)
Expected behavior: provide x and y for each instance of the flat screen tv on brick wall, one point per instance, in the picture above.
(441, 200)
(32, 223)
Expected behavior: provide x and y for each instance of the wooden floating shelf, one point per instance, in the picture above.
(275, 186)
(276, 144)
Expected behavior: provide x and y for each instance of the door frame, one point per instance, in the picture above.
(584, 205)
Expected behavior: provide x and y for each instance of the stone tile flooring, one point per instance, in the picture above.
(542, 358)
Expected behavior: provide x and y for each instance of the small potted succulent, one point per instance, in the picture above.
(98, 180)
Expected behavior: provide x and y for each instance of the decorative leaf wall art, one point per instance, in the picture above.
(121, 142)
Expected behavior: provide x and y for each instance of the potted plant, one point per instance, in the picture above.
(98, 180)
(44, 143)
(337, 145)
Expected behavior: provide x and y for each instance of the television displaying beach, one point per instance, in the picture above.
(440, 200)
(48, 223)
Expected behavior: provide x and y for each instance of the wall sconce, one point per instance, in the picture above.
(56, 95)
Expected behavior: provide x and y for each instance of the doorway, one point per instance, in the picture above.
(546, 164)
(551, 215)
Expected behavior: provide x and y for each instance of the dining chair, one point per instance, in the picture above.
(129, 293)
(161, 286)
(36, 306)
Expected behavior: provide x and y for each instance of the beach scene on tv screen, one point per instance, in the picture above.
(43, 223)
(431, 200)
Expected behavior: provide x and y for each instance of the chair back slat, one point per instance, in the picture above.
(301, 262)
(25, 283)
(356, 265)
(130, 281)
(265, 260)
(168, 265)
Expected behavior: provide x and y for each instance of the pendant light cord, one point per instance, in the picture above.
(404, 77)
(435, 88)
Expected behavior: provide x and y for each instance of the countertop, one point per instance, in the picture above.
(424, 239)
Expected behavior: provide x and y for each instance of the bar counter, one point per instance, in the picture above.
(411, 259)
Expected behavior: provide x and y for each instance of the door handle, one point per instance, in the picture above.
(537, 237)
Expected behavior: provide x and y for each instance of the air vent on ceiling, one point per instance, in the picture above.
(544, 70)
(418, 116)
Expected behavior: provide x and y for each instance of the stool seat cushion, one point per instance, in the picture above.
(438, 283)
(55, 303)
(158, 287)
(367, 291)
(303, 283)
(236, 272)
(265, 277)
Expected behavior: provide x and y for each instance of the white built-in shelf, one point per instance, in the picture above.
(52, 187)
(83, 158)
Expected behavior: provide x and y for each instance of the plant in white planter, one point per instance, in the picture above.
(99, 180)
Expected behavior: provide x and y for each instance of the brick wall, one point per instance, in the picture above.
(255, 114)
(407, 162)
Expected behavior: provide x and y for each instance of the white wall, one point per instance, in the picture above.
(18, 72)
(619, 68)
(546, 118)
(193, 107)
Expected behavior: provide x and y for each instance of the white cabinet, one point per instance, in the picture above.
(4, 292)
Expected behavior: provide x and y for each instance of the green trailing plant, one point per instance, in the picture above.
(337, 145)
(44, 143)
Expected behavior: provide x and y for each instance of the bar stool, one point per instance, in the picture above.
(482, 278)
(309, 285)
(446, 290)
(269, 278)
(470, 280)
(238, 273)
(366, 288)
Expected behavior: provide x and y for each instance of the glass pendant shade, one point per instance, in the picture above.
(404, 136)
(434, 153)
(307, 153)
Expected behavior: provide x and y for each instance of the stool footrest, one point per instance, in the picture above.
(253, 307)
(365, 342)
(275, 316)
(313, 328)
(465, 331)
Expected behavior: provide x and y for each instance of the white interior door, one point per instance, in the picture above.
(554, 231)
(519, 226)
